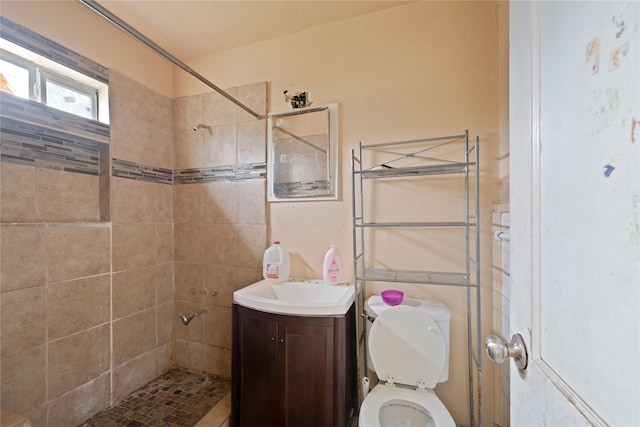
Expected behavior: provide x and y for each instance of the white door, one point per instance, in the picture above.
(575, 211)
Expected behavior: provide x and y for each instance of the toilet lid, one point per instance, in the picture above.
(406, 343)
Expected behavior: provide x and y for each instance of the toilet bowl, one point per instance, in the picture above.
(388, 406)
(408, 353)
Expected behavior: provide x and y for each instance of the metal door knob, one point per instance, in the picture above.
(498, 351)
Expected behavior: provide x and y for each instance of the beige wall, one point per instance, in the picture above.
(425, 69)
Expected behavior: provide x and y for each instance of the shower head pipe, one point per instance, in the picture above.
(188, 317)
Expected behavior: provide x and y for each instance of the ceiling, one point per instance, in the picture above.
(194, 28)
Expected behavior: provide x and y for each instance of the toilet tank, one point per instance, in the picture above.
(437, 311)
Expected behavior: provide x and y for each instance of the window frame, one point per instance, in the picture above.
(39, 76)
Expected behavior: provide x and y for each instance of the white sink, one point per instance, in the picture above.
(305, 297)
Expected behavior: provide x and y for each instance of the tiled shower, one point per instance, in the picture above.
(98, 262)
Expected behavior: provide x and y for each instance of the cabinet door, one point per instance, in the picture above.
(255, 365)
(306, 360)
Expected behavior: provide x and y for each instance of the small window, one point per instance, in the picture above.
(30, 80)
(14, 78)
(70, 97)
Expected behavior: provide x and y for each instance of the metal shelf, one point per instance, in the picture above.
(416, 224)
(416, 277)
(448, 155)
(384, 171)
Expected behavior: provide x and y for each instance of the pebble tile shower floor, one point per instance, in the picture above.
(178, 398)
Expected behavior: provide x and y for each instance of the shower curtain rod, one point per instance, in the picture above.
(92, 4)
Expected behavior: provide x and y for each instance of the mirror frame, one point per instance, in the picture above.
(332, 170)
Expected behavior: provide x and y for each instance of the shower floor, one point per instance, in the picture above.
(178, 398)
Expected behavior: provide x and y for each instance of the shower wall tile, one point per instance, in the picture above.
(217, 360)
(224, 280)
(221, 202)
(165, 356)
(217, 327)
(221, 244)
(125, 115)
(252, 241)
(77, 359)
(164, 146)
(166, 320)
(164, 283)
(77, 305)
(104, 183)
(189, 242)
(164, 204)
(188, 112)
(22, 374)
(131, 336)
(77, 251)
(133, 245)
(251, 142)
(74, 407)
(188, 202)
(18, 193)
(188, 148)
(251, 202)
(23, 318)
(218, 110)
(22, 257)
(128, 376)
(219, 214)
(190, 354)
(161, 131)
(38, 415)
(220, 145)
(133, 201)
(133, 291)
(189, 279)
(187, 144)
(254, 96)
(141, 123)
(164, 243)
(67, 197)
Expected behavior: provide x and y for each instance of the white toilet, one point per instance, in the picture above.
(408, 354)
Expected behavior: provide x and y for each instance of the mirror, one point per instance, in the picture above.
(302, 158)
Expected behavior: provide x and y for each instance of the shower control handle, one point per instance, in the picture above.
(498, 351)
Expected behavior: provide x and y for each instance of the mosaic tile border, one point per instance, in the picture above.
(32, 145)
(31, 112)
(244, 172)
(36, 43)
(139, 172)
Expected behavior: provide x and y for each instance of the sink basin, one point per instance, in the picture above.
(305, 297)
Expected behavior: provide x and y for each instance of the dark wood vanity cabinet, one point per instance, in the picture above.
(293, 371)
